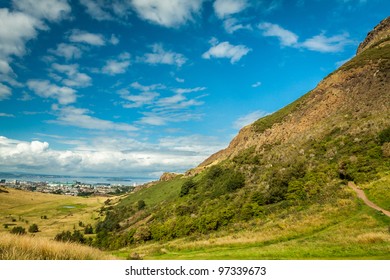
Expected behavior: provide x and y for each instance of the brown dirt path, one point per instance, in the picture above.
(363, 196)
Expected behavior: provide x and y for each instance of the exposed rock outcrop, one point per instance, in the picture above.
(380, 32)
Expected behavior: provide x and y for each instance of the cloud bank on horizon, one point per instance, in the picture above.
(140, 87)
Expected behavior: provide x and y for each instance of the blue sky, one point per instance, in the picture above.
(138, 87)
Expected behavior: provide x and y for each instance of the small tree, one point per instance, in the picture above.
(33, 228)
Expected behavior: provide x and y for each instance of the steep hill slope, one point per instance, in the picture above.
(353, 99)
(282, 182)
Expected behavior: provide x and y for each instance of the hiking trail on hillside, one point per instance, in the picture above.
(363, 196)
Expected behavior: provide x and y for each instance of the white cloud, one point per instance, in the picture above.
(5, 68)
(15, 30)
(138, 86)
(74, 77)
(173, 13)
(5, 92)
(108, 155)
(147, 96)
(257, 84)
(107, 10)
(321, 43)
(179, 80)
(153, 119)
(286, 37)
(177, 102)
(95, 10)
(52, 10)
(5, 115)
(137, 101)
(43, 88)
(161, 56)
(171, 109)
(114, 40)
(231, 25)
(79, 117)
(67, 51)
(225, 8)
(226, 50)
(79, 36)
(162, 110)
(161, 118)
(189, 90)
(248, 119)
(114, 67)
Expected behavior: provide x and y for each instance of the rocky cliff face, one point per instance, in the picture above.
(353, 99)
(380, 33)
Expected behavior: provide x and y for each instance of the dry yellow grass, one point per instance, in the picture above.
(373, 237)
(16, 247)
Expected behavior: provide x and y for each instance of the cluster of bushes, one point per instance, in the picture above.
(21, 230)
(18, 230)
(216, 182)
(76, 237)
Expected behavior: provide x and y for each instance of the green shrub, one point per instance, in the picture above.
(186, 187)
(214, 172)
(234, 181)
(67, 236)
(33, 228)
(259, 198)
(384, 136)
(141, 204)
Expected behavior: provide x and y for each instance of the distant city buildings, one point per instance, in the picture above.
(68, 188)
